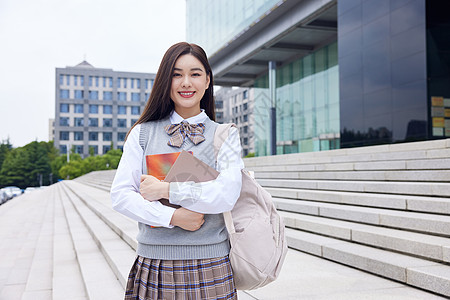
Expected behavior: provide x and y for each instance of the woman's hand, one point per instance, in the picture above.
(187, 219)
(153, 189)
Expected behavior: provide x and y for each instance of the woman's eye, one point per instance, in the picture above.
(196, 74)
(176, 75)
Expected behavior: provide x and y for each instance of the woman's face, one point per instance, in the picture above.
(189, 83)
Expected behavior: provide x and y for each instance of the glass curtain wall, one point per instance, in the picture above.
(223, 20)
(307, 105)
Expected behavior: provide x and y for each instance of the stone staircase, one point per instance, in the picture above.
(381, 209)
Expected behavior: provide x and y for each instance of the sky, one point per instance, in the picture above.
(37, 36)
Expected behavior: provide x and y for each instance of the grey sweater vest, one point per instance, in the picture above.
(211, 240)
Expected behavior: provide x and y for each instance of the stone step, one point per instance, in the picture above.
(410, 243)
(411, 221)
(383, 165)
(426, 204)
(104, 186)
(40, 278)
(394, 175)
(119, 255)
(99, 201)
(413, 271)
(67, 279)
(19, 233)
(403, 188)
(407, 151)
(98, 277)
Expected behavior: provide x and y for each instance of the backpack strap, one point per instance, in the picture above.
(220, 136)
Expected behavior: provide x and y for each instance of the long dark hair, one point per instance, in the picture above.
(159, 104)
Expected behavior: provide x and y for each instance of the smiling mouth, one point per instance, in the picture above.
(186, 94)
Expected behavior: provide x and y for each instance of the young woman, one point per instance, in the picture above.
(182, 252)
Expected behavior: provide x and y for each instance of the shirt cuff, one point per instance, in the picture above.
(167, 215)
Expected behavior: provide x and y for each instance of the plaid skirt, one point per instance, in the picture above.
(181, 279)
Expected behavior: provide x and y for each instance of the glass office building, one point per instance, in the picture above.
(348, 72)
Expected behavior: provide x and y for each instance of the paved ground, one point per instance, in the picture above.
(26, 237)
(308, 277)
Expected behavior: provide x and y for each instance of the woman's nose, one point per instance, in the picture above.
(186, 82)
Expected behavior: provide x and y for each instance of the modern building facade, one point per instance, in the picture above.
(95, 107)
(336, 73)
(235, 105)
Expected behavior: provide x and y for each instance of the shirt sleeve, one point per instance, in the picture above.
(125, 195)
(219, 195)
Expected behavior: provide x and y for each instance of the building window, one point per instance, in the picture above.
(122, 123)
(219, 104)
(120, 148)
(245, 106)
(61, 79)
(148, 84)
(78, 122)
(64, 94)
(93, 95)
(245, 129)
(78, 135)
(110, 82)
(104, 81)
(133, 121)
(64, 135)
(118, 82)
(135, 97)
(79, 108)
(107, 136)
(121, 136)
(135, 110)
(63, 121)
(75, 80)
(93, 122)
(219, 115)
(245, 118)
(124, 82)
(138, 83)
(82, 80)
(245, 141)
(64, 108)
(68, 79)
(78, 149)
(122, 96)
(132, 83)
(122, 110)
(96, 81)
(245, 94)
(90, 80)
(93, 136)
(107, 122)
(93, 109)
(93, 150)
(107, 95)
(147, 95)
(106, 149)
(79, 94)
(107, 109)
(62, 149)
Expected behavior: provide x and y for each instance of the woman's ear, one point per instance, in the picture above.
(208, 81)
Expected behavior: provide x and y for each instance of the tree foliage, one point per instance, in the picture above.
(39, 163)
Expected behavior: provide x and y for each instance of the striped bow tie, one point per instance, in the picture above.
(178, 133)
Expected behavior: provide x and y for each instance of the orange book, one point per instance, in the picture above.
(158, 165)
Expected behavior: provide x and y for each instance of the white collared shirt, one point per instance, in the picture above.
(217, 196)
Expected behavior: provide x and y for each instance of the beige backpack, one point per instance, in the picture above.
(256, 231)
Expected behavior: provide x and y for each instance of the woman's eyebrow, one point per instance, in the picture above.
(193, 69)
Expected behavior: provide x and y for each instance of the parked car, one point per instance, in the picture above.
(13, 190)
(3, 196)
(7, 194)
(30, 189)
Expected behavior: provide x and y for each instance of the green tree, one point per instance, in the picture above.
(5, 147)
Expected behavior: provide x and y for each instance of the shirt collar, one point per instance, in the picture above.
(176, 118)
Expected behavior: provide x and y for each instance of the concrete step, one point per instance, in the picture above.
(413, 271)
(394, 175)
(402, 188)
(98, 277)
(19, 233)
(40, 278)
(407, 151)
(438, 205)
(67, 279)
(104, 186)
(411, 221)
(119, 255)
(382, 165)
(99, 201)
(410, 243)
